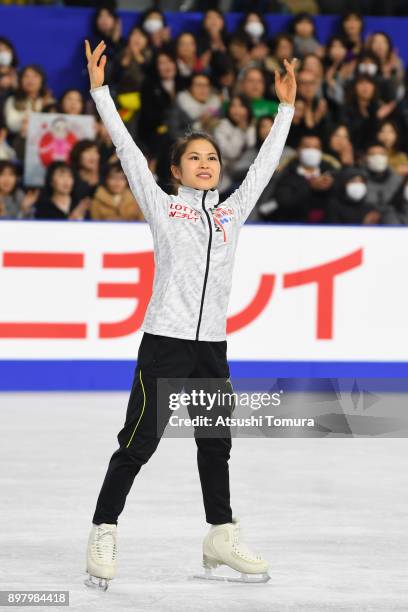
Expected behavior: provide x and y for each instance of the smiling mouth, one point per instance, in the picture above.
(204, 175)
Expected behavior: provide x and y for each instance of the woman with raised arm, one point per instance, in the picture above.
(195, 238)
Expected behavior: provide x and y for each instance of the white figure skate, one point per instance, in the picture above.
(222, 546)
(101, 556)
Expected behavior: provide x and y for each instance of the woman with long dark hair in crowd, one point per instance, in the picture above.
(351, 30)
(31, 94)
(235, 134)
(158, 97)
(85, 161)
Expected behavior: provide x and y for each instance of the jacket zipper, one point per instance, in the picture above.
(207, 264)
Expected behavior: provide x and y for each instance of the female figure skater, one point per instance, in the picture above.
(195, 238)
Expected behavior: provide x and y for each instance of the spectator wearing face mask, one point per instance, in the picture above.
(348, 202)
(254, 25)
(369, 64)
(382, 182)
(304, 185)
(389, 136)
(153, 22)
(397, 212)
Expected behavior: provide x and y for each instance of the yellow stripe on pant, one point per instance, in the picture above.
(144, 404)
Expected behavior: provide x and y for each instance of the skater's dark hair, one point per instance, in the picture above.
(179, 147)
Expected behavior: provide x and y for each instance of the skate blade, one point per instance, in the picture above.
(242, 577)
(100, 584)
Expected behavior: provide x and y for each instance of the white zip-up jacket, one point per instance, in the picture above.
(195, 237)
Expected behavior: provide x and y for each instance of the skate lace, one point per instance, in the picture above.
(241, 548)
(105, 545)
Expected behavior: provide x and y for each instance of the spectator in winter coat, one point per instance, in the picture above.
(382, 183)
(113, 201)
(348, 203)
(388, 135)
(397, 212)
(305, 184)
(195, 107)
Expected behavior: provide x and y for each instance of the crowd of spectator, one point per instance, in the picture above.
(345, 159)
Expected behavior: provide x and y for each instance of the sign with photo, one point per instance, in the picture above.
(51, 137)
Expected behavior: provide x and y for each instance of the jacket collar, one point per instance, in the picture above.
(194, 197)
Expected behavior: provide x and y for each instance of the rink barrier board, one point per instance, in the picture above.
(62, 291)
(107, 375)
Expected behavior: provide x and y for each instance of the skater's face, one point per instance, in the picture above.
(199, 166)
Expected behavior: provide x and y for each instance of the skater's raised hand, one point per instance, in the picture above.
(96, 71)
(285, 87)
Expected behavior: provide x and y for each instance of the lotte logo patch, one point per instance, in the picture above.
(182, 211)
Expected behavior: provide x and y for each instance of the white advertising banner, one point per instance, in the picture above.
(72, 290)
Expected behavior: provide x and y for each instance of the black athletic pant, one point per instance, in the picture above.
(165, 357)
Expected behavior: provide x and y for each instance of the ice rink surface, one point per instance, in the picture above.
(330, 515)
